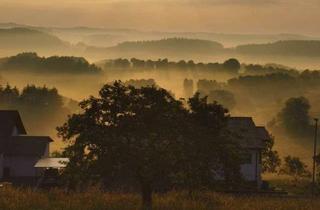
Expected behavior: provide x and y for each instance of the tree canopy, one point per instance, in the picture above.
(31, 63)
(294, 117)
(149, 139)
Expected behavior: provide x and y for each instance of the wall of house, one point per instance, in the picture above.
(47, 151)
(1, 166)
(22, 166)
(251, 171)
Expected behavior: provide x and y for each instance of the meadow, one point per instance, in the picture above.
(94, 199)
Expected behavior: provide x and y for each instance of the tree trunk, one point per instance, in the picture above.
(146, 197)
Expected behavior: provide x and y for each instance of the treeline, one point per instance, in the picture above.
(32, 63)
(173, 45)
(277, 83)
(229, 66)
(256, 69)
(268, 92)
(283, 48)
(42, 108)
(266, 87)
(139, 83)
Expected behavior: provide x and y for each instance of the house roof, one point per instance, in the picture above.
(52, 163)
(26, 145)
(263, 133)
(9, 119)
(249, 135)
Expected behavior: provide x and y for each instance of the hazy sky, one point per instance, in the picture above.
(228, 16)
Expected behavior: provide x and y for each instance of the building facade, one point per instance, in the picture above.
(19, 152)
(252, 140)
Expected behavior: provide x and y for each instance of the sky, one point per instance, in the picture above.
(221, 16)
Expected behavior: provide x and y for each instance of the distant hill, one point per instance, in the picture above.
(180, 47)
(25, 39)
(309, 48)
(112, 36)
(163, 47)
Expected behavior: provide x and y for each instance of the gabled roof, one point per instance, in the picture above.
(26, 145)
(247, 133)
(9, 119)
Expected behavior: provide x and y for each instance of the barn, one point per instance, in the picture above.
(20, 152)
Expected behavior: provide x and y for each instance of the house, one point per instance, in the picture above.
(19, 152)
(252, 139)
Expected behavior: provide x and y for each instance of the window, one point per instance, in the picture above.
(246, 158)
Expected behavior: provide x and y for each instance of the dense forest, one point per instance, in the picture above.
(32, 63)
(231, 66)
(171, 45)
(283, 48)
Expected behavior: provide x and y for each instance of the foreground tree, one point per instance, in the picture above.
(211, 146)
(147, 137)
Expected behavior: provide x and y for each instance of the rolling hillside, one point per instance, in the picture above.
(309, 48)
(24, 39)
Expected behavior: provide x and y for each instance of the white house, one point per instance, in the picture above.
(19, 152)
(252, 139)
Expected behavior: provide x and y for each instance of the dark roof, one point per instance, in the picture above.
(246, 132)
(26, 145)
(263, 133)
(9, 119)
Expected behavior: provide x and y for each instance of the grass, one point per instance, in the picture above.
(93, 199)
(286, 183)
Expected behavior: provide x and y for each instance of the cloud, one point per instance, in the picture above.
(231, 16)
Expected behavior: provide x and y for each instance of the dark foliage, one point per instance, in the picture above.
(294, 117)
(147, 139)
(271, 161)
(230, 67)
(32, 63)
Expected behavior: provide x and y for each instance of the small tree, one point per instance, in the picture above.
(270, 158)
(294, 117)
(232, 65)
(294, 167)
